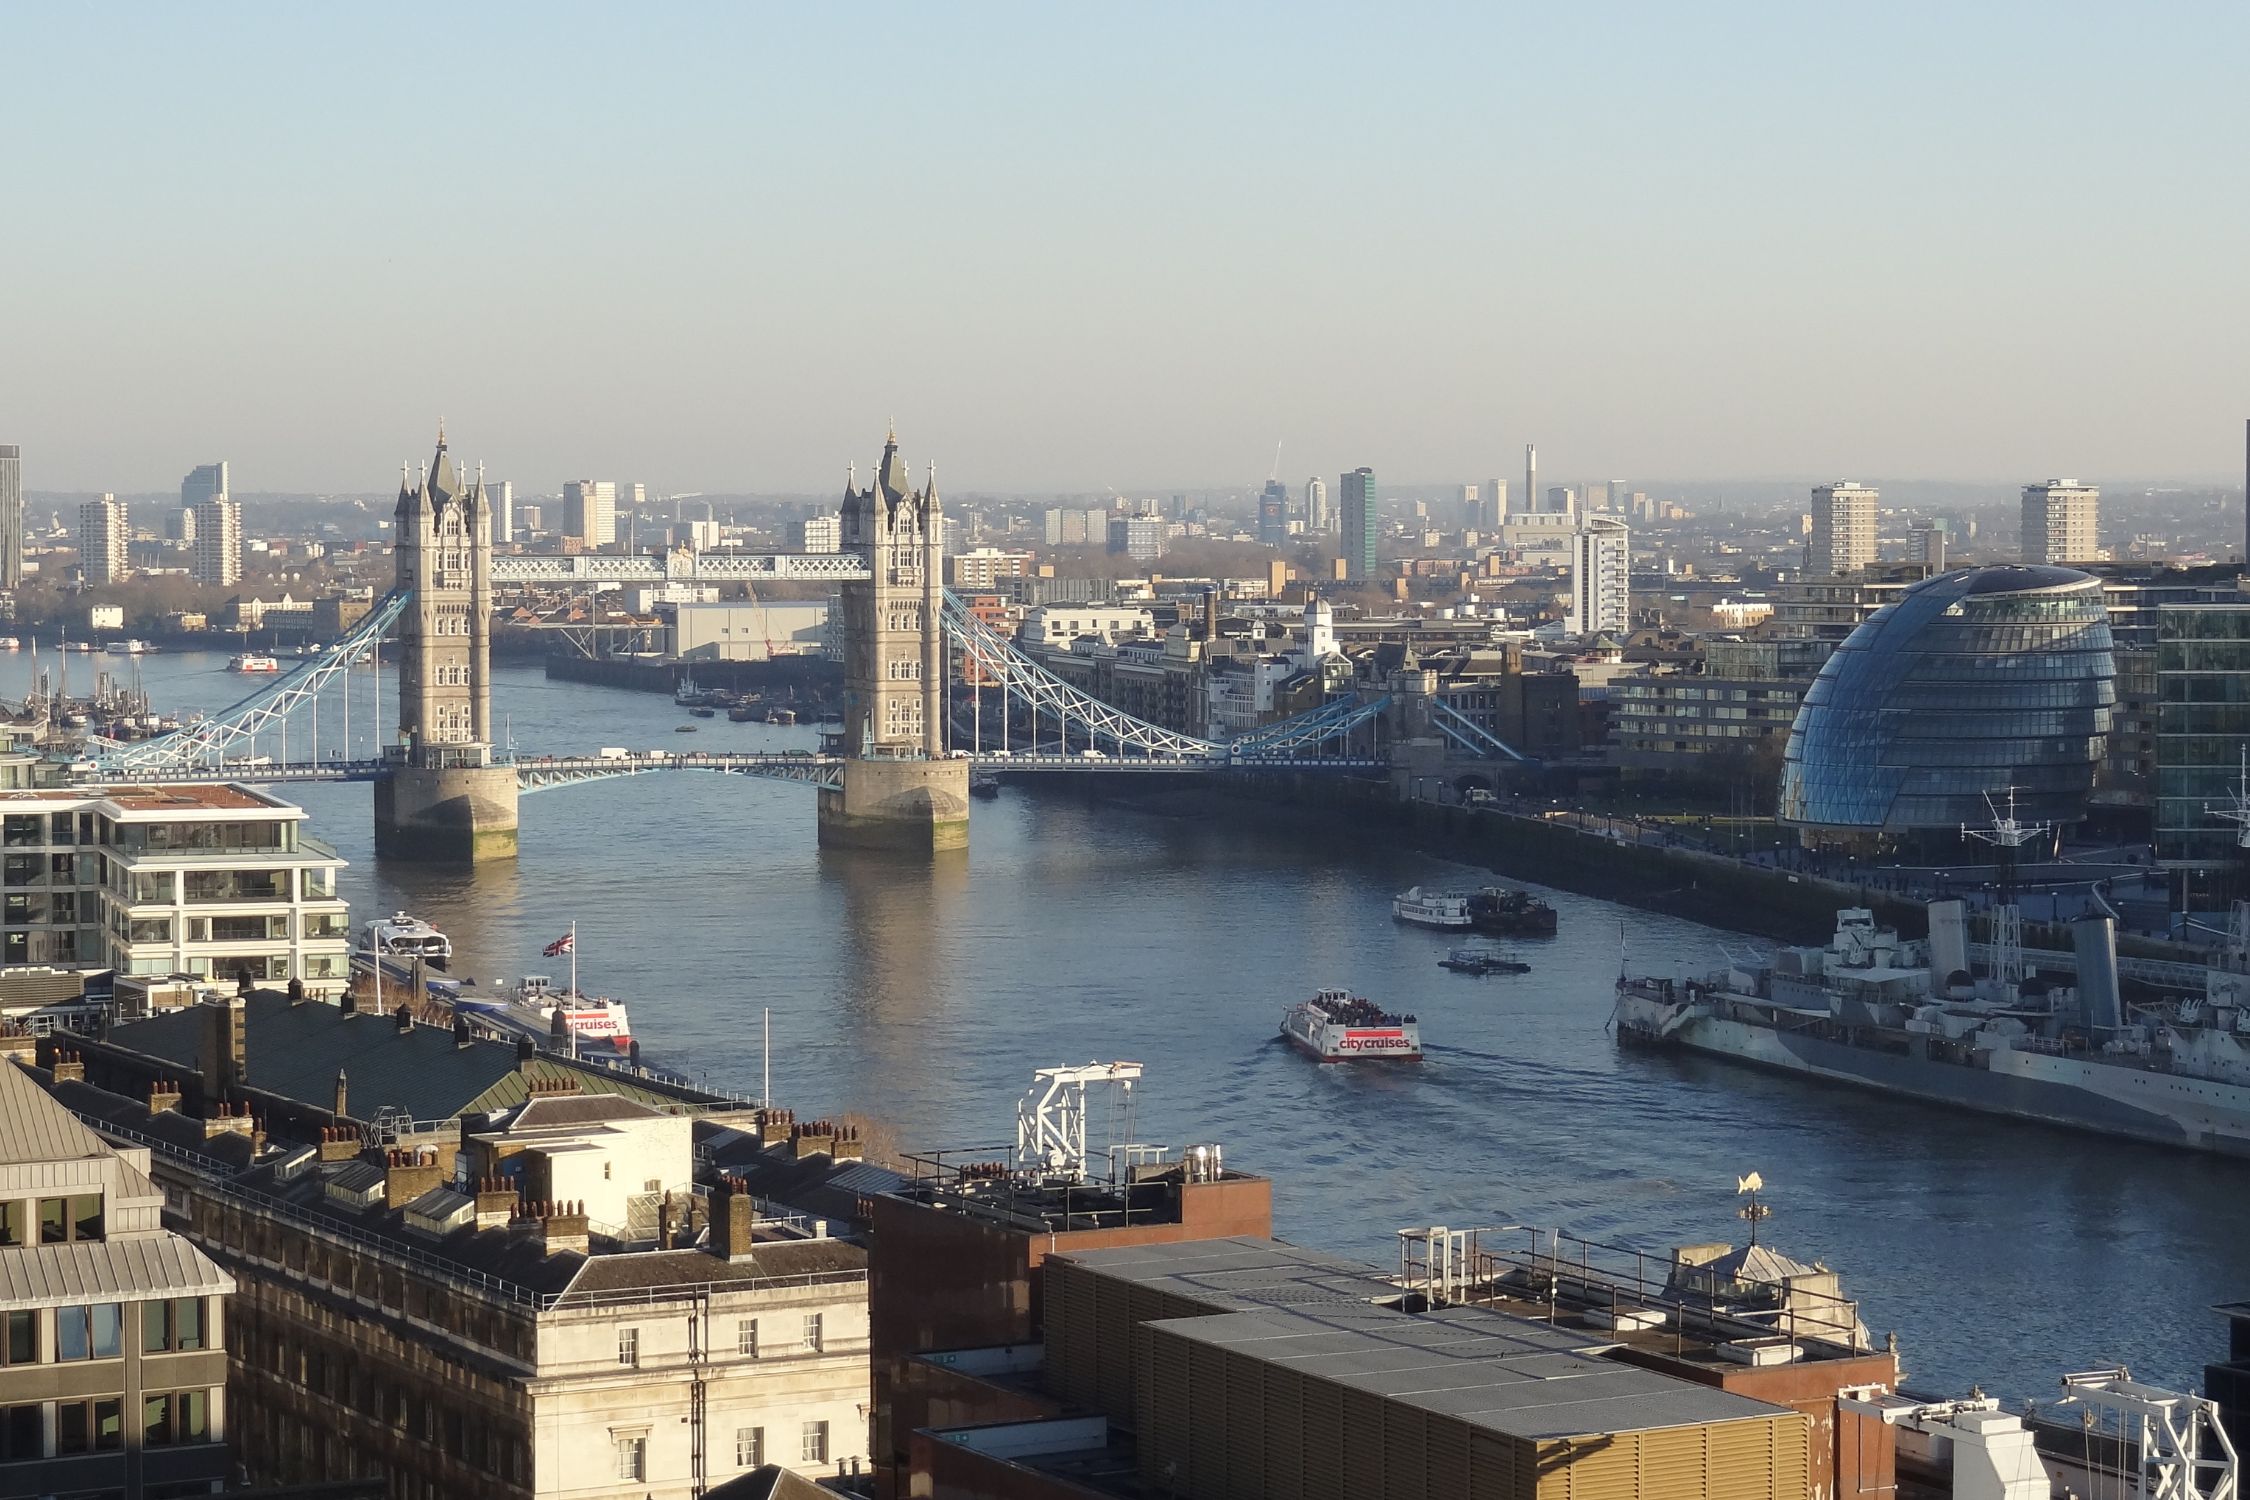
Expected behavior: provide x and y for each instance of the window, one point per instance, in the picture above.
(21, 1346)
(177, 1324)
(632, 1458)
(88, 1332)
(21, 1434)
(746, 1338)
(812, 1332)
(88, 1426)
(749, 1447)
(15, 1221)
(629, 1352)
(62, 1220)
(814, 1448)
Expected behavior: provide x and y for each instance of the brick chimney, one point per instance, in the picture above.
(68, 1067)
(343, 1094)
(405, 1019)
(734, 1218)
(296, 992)
(562, 1226)
(773, 1125)
(222, 1055)
(526, 1050)
(496, 1202)
(407, 1175)
(228, 1119)
(163, 1096)
(338, 1143)
(816, 1139)
(547, 1088)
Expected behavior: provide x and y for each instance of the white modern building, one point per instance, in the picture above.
(1052, 627)
(1601, 575)
(817, 534)
(104, 540)
(590, 511)
(734, 631)
(218, 542)
(1843, 529)
(2061, 522)
(1319, 520)
(209, 881)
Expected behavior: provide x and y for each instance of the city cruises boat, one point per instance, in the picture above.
(1908, 1018)
(781, 716)
(537, 1008)
(252, 662)
(1420, 908)
(1506, 913)
(407, 938)
(1338, 1026)
(10, 643)
(1481, 961)
(126, 648)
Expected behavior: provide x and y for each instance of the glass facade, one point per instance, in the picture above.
(2202, 729)
(1968, 685)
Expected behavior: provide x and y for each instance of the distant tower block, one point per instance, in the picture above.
(444, 799)
(900, 789)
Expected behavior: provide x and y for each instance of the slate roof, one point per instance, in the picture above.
(297, 1050)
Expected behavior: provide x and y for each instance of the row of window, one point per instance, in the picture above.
(746, 1340)
(98, 1425)
(749, 1449)
(60, 1221)
(95, 1330)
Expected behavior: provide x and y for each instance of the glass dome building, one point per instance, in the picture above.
(1966, 685)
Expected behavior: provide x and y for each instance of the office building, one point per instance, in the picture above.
(1356, 502)
(1469, 506)
(1318, 519)
(1273, 514)
(1843, 529)
(1138, 537)
(218, 542)
(533, 519)
(501, 496)
(590, 511)
(1601, 575)
(1562, 500)
(203, 482)
(1495, 505)
(823, 533)
(114, 1371)
(527, 1294)
(1929, 539)
(2061, 522)
(104, 540)
(11, 517)
(1986, 683)
(2202, 731)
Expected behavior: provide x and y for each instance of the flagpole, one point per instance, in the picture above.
(574, 961)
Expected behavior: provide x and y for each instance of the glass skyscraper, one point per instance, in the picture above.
(1357, 496)
(2202, 731)
(1968, 686)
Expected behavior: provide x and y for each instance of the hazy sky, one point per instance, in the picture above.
(1075, 246)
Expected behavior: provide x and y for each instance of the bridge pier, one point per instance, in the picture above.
(907, 805)
(446, 814)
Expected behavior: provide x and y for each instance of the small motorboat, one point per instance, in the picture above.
(703, 713)
(1482, 961)
(683, 729)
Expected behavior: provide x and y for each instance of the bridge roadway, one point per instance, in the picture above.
(538, 773)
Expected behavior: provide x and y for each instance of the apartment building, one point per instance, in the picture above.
(113, 1329)
(202, 880)
(535, 1298)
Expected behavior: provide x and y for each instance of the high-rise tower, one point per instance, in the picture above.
(11, 517)
(2061, 522)
(1843, 529)
(1357, 492)
(899, 788)
(444, 798)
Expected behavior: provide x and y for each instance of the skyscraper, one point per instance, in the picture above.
(590, 511)
(1472, 514)
(1929, 543)
(501, 504)
(11, 517)
(1318, 519)
(1843, 529)
(218, 542)
(203, 482)
(1356, 492)
(1496, 503)
(104, 540)
(1273, 514)
(2060, 522)
(1601, 575)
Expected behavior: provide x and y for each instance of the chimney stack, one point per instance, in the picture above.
(162, 1097)
(562, 1226)
(815, 1139)
(461, 1038)
(68, 1067)
(846, 1146)
(228, 1119)
(734, 1218)
(496, 1203)
(526, 1050)
(407, 1175)
(338, 1143)
(343, 1092)
(221, 1055)
(405, 1019)
(296, 992)
(774, 1125)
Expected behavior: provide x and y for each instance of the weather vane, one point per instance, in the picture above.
(1754, 1212)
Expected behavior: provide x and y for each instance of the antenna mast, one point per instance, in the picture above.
(2237, 812)
(2007, 836)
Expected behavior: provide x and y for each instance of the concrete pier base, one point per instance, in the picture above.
(452, 815)
(897, 804)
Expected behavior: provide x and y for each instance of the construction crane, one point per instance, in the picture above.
(1051, 1117)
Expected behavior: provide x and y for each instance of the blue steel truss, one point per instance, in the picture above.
(209, 743)
(1471, 736)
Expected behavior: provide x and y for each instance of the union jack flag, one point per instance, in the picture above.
(564, 944)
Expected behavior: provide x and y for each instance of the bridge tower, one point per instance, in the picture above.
(900, 789)
(444, 799)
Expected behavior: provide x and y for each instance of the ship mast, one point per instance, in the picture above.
(2007, 836)
(2237, 812)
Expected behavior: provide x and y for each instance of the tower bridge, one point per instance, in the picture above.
(895, 777)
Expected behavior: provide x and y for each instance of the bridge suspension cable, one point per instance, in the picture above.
(209, 743)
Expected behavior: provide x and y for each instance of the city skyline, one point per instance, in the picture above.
(1672, 233)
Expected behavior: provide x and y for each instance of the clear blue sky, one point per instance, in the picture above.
(1075, 246)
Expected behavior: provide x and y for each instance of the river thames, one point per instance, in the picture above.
(1075, 929)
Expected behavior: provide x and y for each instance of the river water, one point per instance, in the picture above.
(1076, 929)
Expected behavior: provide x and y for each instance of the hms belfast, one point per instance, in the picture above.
(1909, 1018)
